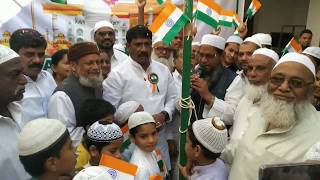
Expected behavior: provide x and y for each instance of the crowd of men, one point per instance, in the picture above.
(268, 103)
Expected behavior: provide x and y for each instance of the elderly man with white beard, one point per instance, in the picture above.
(286, 125)
(84, 83)
(162, 53)
(259, 69)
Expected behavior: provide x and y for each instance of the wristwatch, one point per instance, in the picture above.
(166, 115)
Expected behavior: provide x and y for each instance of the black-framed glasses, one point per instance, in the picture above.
(293, 83)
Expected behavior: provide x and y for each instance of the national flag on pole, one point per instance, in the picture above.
(226, 18)
(255, 5)
(168, 23)
(126, 139)
(208, 12)
(118, 168)
(161, 164)
(64, 7)
(292, 46)
(236, 20)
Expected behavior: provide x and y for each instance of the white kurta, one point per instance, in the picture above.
(61, 108)
(10, 165)
(214, 171)
(36, 96)
(117, 58)
(225, 108)
(129, 82)
(146, 162)
(277, 146)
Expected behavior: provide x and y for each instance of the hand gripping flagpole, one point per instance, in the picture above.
(186, 81)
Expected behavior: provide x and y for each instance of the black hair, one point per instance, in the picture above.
(138, 31)
(194, 142)
(57, 56)
(93, 110)
(219, 51)
(34, 164)
(308, 31)
(27, 38)
(98, 144)
(134, 130)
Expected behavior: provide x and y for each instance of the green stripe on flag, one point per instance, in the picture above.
(226, 23)
(206, 19)
(175, 29)
(59, 1)
(160, 1)
(249, 13)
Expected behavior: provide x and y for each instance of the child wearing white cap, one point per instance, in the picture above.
(206, 139)
(45, 149)
(121, 118)
(103, 138)
(144, 135)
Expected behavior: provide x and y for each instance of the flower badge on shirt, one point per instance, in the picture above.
(154, 79)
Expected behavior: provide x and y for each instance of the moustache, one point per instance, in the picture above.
(36, 66)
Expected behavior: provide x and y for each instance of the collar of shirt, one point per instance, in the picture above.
(139, 67)
(41, 75)
(15, 110)
(177, 74)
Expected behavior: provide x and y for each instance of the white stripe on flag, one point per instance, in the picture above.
(172, 19)
(207, 10)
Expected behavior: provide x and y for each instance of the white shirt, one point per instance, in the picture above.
(36, 96)
(214, 171)
(10, 165)
(117, 58)
(61, 108)
(146, 162)
(225, 108)
(277, 146)
(129, 82)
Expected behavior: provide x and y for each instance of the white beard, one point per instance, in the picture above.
(93, 83)
(167, 62)
(255, 92)
(279, 113)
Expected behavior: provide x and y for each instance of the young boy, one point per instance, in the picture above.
(144, 135)
(121, 117)
(103, 138)
(91, 111)
(45, 149)
(206, 139)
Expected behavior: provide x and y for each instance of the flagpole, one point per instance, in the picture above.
(185, 82)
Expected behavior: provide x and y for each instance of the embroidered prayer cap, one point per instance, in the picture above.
(213, 40)
(267, 52)
(195, 43)
(211, 133)
(264, 39)
(100, 132)
(124, 111)
(82, 49)
(93, 173)
(299, 58)
(313, 153)
(313, 51)
(39, 134)
(102, 24)
(235, 39)
(253, 40)
(6, 54)
(139, 118)
(138, 31)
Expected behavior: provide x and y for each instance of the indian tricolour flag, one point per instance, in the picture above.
(64, 7)
(255, 5)
(126, 139)
(208, 12)
(168, 23)
(292, 46)
(226, 18)
(118, 168)
(236, 20)
(161, 1)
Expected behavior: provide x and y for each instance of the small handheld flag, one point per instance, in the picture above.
(208, 12)
(292, 46)
(254, 7)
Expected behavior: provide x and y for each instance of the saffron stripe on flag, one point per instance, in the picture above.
(211, 4)
(226, 18)
(118, 164)
(162, 17)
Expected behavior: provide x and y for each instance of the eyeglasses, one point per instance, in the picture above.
(293, 83)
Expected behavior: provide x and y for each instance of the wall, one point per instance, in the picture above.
(275, 13)
(313, 22)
